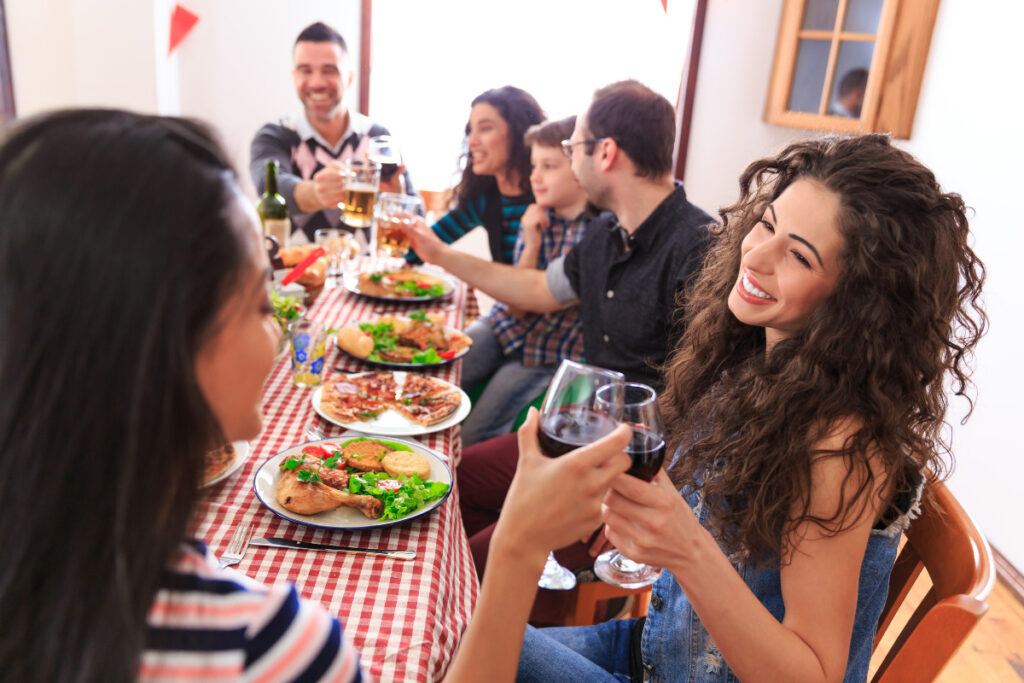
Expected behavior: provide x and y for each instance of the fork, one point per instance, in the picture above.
(237, 546)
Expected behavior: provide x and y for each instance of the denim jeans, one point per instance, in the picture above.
(576, 653)
(511, 388)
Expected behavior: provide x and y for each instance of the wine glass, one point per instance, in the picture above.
(572, 417)
(647, 449)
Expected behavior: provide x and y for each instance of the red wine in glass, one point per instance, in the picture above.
(647, 449)
(572, 426)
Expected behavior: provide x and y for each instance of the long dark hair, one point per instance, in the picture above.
(520, 111)
(116, 254)
(905, 312)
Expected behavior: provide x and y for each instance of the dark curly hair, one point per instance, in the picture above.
(520, 111)
(905, 311)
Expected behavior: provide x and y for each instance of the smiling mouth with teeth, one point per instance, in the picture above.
(752, 290)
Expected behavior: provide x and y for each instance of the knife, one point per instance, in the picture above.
(271, 542)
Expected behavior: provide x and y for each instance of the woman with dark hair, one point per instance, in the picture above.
(804, 405)
(135, 335)
(495, 187)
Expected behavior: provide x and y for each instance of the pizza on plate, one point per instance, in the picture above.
(217, 462)
(424, 400)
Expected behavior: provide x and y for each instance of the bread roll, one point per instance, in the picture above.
(406, 463)
(290, 256)
(354, 341)
(315, 274)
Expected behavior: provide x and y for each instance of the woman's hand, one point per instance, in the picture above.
(650, 522)
(552, 502)
(427, 245)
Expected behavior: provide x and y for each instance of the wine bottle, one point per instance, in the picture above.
(272, 209)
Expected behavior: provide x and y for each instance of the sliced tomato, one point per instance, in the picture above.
(389, 484)
(316, 451)
(447, 355)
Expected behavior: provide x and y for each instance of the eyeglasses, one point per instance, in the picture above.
(567, 145)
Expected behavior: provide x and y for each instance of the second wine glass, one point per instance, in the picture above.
(572, 416)
(647, 449)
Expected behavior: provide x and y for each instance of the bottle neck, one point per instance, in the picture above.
(271, 184)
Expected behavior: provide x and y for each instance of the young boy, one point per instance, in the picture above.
(520, 352)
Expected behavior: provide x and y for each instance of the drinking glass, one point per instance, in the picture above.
(339, 247)
(384, 150)
(309, 346)
(572, 417)
(647, 449)
(392, 211)
(362, 180)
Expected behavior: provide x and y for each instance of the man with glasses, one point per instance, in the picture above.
(625, 275)
(626, 272)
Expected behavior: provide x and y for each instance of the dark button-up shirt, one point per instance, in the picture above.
(627, 285)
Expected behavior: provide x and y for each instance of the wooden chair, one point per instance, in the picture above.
(945, 542)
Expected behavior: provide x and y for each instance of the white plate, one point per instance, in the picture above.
(393, 423)
(241, 454)
(265, 485)
(351, 283)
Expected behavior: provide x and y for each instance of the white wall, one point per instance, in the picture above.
(79, 53)
(967, 132)
(233, 69)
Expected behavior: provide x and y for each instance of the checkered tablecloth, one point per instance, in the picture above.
(405, 617)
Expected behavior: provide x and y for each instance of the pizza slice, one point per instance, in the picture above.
(380, 386)
(345, 400)
(427, 400)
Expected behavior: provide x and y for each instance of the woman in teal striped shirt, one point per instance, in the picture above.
(495, 187)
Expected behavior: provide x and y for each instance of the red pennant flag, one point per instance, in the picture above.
(664, 5)
(182, 22)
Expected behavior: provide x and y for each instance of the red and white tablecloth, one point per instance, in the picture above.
(405, 617)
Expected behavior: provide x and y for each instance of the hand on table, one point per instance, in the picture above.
(554, 501)
(329, 185)
(650, 522)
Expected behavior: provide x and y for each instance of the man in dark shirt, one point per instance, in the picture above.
(627, 271)
(625, 274)
(310, 148)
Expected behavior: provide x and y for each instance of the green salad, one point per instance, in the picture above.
(385, 340)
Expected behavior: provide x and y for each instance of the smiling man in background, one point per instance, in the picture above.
(311, 147)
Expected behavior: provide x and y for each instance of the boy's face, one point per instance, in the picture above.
(552, 179)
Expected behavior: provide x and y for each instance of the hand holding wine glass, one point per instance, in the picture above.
(552, 501)
(647, 450)
(573, 416)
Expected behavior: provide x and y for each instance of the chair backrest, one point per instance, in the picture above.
(945, 541)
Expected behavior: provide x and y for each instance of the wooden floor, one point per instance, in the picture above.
(994, 652)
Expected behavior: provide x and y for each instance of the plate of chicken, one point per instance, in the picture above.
(353, 481)
(417, 340)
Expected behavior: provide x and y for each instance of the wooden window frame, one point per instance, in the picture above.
(894, 79)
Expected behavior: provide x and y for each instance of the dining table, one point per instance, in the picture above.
(405, 618)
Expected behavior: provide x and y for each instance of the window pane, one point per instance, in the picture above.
(820, 15)
(862, 16)
(851, 77)
(809, 75)
(423, 80)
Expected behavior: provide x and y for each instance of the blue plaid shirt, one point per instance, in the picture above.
(545, 339)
